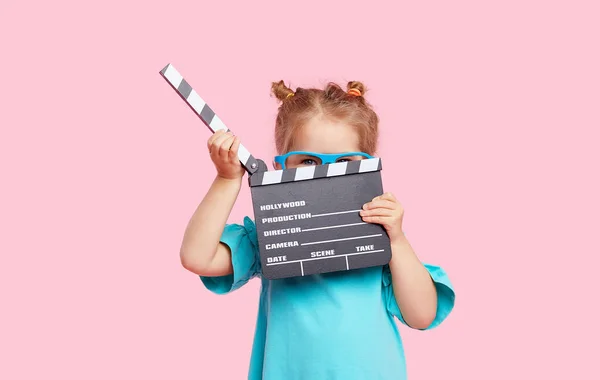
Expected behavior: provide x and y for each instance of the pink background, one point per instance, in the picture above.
(490, 115)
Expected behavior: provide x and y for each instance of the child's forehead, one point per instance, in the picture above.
(325, 136)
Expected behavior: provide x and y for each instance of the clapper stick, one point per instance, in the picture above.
(206, 114)
(307, 218)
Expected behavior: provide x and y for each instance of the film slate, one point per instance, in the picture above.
(307, 218)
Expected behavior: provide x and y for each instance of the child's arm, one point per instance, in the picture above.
(201, 250)
(414, 289)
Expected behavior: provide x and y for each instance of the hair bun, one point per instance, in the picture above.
(356, 87)
(281, 91)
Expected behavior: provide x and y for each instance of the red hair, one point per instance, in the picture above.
(350, 106)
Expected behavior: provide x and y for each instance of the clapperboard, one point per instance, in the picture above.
(307, 219)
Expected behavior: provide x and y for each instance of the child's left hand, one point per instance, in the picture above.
(388, 212)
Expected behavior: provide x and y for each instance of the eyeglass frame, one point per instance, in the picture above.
(326, 158)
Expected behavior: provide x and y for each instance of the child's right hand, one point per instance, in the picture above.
(223, 148)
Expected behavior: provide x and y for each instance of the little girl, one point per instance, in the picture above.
(330, 326)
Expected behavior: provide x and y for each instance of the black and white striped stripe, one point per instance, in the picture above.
(206, 114)
(317, 171)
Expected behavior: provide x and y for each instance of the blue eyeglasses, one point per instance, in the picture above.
(301, 158)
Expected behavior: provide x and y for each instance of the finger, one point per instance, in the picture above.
(215, 140)
(215, 149)
(225, 145)
(389, 196)
(377, 212)
(227, 141)
(233, 151)
(216, 145)
(213, 137)
(376, 219)
(380, 203)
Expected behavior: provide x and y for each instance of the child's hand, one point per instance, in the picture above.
(223, 148)
(387, 211)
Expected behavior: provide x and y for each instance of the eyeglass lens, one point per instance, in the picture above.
(299, 160)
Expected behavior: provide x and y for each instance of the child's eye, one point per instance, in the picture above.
(309, 161)
(346, 159)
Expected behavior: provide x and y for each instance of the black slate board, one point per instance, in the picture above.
(309, 223)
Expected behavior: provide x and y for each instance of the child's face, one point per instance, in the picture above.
(325, 136)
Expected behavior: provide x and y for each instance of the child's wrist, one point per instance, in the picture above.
(397, 237)
(229, 182)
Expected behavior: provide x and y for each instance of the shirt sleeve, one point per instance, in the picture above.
(445, 294)
(245, 259)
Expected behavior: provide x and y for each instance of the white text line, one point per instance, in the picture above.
(340, 225)
(336, 213)
(343, 239)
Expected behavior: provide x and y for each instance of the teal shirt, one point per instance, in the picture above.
(323, 327)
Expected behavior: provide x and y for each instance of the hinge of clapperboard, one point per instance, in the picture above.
(208, 116)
